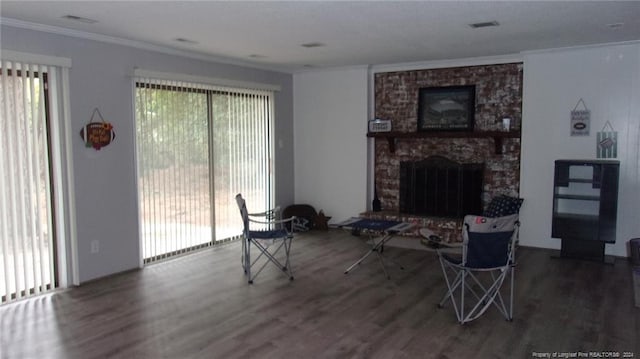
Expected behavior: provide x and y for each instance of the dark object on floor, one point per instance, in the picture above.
(376, 205)
(322, 221)
(433, 242)
(302, 211)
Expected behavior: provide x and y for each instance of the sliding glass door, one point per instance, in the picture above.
(27, 232)
(197, 146)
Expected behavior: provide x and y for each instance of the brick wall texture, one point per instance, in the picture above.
(498, 95)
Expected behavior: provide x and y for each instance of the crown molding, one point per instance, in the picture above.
(331, 68)
(581, 47)
(136, 44)
(446, 63)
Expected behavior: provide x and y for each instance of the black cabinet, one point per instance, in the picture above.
(585, 202)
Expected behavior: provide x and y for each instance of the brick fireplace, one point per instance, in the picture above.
(498, 95)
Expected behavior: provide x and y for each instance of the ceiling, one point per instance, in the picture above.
(270, 34)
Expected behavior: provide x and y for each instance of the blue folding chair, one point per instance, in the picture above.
(475, 278)
(269, 236)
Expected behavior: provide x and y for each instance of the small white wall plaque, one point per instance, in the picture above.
(580, 120)
(379, 125)
(607, 146)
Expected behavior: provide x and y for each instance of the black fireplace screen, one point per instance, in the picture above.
(439, 187)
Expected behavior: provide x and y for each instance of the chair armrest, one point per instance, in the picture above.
(266, 213)
(279, 221)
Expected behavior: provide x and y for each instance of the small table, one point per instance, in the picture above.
(379, 232)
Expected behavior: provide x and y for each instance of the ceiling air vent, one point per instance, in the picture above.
(313, 44)
(478, 25)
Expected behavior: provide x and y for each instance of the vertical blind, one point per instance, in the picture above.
(242, 156)
(197, 146)
(173, 157)
(27, 249)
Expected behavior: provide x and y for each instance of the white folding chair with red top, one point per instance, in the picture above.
(475, 278)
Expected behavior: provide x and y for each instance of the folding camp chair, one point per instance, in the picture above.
(475, 278)
(270, 235)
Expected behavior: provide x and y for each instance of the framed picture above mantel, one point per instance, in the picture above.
(449, 108)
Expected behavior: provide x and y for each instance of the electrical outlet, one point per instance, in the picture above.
(95, 246)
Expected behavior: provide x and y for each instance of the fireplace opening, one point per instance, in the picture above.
(439, 187)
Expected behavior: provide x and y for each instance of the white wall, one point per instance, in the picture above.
(105, 180)
(607, 78)
(330, 127)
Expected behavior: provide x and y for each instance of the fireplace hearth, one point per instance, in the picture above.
(439, 187)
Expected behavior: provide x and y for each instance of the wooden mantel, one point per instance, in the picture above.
(497, 136)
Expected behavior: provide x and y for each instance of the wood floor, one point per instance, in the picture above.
(200, 306)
